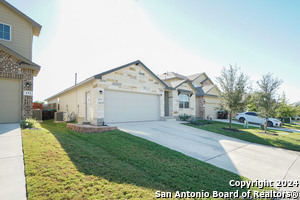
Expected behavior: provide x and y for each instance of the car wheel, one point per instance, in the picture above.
(242, 119)
(270, 124)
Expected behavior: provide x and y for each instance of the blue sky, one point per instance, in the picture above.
(187, 37)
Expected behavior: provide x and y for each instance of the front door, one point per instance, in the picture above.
(166, 103)
(88, 106)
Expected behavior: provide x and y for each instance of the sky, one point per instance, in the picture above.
(184, 36)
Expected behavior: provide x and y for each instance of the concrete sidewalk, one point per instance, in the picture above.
(12, 176)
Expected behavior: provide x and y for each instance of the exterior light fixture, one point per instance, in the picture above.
(28, 84)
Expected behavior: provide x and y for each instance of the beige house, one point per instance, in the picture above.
(128, 93)
(132, 92)
(16, 67)
(207, 100)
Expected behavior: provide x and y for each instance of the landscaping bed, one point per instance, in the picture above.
(63, 164)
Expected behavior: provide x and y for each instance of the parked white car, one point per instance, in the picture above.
(252, 117)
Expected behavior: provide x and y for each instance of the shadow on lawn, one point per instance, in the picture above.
(122, 158)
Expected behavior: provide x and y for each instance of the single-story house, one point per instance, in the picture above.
(16, 67)
(131, 92)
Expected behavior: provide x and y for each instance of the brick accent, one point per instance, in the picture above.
(10, 68)
(89, 128)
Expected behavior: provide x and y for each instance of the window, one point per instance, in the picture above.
(4, 32)
(184, 101)
(251, 113)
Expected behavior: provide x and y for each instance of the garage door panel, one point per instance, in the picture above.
(127, 107)
(10, 101)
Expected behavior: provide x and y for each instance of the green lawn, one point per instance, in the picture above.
(252, 134)
(292, 126)
(62, 164)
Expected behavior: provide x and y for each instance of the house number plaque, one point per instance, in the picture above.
(28, 93)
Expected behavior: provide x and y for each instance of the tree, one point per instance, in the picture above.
(233, 90)
(297, 108)
(253, 102)
(285, 109)
(267, 92)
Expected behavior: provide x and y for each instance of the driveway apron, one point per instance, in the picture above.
(12, 177)
(254, 161)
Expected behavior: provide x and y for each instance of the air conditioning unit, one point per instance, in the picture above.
(66, 117)
(59, 116)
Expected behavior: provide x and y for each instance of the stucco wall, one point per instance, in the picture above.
(74, 101)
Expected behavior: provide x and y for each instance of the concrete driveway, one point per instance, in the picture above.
(244, 158)
(12, 177)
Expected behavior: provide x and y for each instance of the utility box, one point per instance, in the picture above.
(59, 116)
(37, 114)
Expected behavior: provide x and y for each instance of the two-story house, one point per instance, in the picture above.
(16, 67)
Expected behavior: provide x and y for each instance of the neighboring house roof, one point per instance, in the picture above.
(100, 75)
(35, 26)
(25, 63)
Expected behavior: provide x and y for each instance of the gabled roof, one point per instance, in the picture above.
(70, 88)
(171, 75)
(35, 26)
(25, 63)
(194, 76)
(204, 90)
(137, 62)
(100, 75)
(176, 84)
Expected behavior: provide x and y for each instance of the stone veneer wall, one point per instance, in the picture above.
(10, 68)
(133, 78)
(201, 107)
(176, 111)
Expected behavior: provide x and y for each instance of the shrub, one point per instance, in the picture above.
(200, 122)
(28, 123)
(184, 117)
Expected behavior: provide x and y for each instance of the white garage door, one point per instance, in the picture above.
(130, 107)
(10, 101)
(211, 110)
